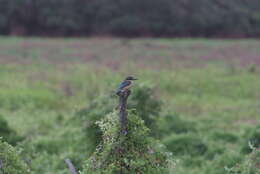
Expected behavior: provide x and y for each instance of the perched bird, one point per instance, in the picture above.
(126, 84)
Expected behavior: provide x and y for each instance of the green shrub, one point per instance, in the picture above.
(7, 133)
(185, 144)
(46, 149)
(214, 150)
(10, 162)
(218, 164)
(142, 99)
(87, 117)
(253, 137)
(131, 153)
(224, 136)
(250, 164)
(147, 106)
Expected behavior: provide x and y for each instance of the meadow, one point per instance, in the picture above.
(200, 97)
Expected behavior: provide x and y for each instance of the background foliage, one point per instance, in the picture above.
(200, 97)
(207, 18)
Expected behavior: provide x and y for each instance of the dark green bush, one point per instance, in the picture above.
(213, 151)
(224, 136)
(87, 118)
(218, 165)
(185, 144)
(147, 106)
(131, 153)
(7, 133)
(10, 162)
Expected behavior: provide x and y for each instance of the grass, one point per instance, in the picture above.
(44, 82)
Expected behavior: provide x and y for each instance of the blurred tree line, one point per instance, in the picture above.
(205, 18)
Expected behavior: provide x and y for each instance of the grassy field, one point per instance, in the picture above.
(209, 89)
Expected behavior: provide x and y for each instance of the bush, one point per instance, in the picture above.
(142, 99)
(219, 163)
(214, 150)
(253, 137)
(46, 149)
(185, 144)
(131, 153)
(147, 106)
(88, 117)
(7, 133)
(224, 136)
(10, 162)
(250, 164)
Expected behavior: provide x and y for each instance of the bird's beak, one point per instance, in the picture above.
(135, 79)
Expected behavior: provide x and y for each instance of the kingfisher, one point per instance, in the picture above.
(126, 84)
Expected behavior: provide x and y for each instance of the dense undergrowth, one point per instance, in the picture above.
(10, 161)
(205, 116)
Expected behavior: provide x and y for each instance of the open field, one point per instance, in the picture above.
(209, 89)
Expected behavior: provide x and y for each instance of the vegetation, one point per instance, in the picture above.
(10, 162)
(5, 131)
(253, 137)
(207, 18)
(134, 153)
(199, 98)
(142, 101)
(249, 165)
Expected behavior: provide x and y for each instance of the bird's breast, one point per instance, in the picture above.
(128, 86)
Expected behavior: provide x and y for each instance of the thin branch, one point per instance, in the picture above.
(2, 166)
(71, 166)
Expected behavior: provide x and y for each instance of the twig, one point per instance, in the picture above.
(71, 166)
(2, 166)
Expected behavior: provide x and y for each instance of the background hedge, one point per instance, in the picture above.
(200, 18)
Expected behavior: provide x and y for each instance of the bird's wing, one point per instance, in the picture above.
(123, 85)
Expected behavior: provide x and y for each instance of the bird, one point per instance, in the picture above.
(126, 84)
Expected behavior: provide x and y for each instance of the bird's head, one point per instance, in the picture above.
(131, 78)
